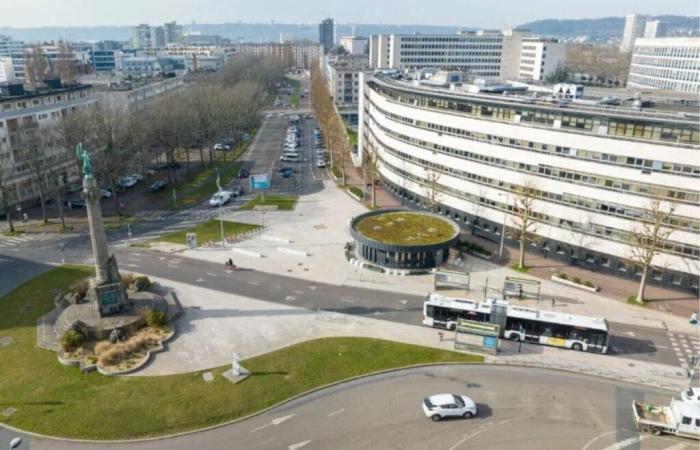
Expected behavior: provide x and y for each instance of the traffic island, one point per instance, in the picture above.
(402, 241)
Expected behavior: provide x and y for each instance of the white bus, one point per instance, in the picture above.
(572, 331)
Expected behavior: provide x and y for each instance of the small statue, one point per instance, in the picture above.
(85, 158)
(115, 336)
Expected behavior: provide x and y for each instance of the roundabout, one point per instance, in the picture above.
(402, 239)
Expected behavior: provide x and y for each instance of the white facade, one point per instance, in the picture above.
(15, 50)
(634, 28)
(298, 54)
(666, 63)
(540, 57)
(595, 170)
(141, 36)
(485, 54)
(655, 29)
(7, 71)
(355, 45)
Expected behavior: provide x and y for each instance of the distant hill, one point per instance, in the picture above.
(601, 28)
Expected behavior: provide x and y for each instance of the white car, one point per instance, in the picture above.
(438, 407)
(290, 158)
(138, 176)
(105, 193)
(321, 163)
(128, 182)
(220, 198)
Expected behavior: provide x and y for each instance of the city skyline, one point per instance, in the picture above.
(476, 14)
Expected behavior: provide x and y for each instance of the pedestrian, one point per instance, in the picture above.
(553, 302)
(694, 318)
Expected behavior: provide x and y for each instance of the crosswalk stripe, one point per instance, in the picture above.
(627, 442)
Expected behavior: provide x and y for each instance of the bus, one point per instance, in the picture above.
(582, 333)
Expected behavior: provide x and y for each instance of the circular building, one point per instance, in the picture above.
(402, 239)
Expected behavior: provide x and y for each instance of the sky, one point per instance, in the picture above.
(468, 13)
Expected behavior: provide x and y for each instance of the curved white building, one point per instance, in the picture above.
(596, 169)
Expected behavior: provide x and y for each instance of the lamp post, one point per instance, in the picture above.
(221, 206)
(503, 228)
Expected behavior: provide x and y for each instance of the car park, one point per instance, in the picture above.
(291, 153)
(441, 406)
(157, 186)
(128, 182)
(138, 176)
(220, 198)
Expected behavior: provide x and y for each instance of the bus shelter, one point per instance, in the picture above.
(477, 336)
(521, 288)
(451, 278)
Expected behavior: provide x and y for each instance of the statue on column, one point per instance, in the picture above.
(84, 157)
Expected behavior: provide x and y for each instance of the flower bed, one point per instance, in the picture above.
(576, 282)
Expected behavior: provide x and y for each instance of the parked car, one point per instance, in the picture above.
(73, 188)
(285, 169)
(438, 407)
(105, 193)
(222, 147)
(321, 163)
(236, 191)
(243, 173)
(157, 186)
(75, 203)
(128, 182)
(138, 176)
(220, 198)
(290, 158)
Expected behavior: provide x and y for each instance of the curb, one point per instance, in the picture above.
(312, 391)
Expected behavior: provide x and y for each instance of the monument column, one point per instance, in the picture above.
(97, 238)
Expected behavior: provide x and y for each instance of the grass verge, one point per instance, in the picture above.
(208, 231)
(352, 137)
(283, 202)
(57, 400)
(524, 269)
(632, 300)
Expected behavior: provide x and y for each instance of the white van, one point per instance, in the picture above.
(290, 157)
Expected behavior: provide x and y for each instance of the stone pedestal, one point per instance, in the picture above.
(106, 290)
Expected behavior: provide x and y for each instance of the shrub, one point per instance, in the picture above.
(577, 280)
(127, 280)
(563, 276)
(80, 288)
(71, 340)
(112, 356)
(141, 283)
(588, 283)
(156, 319)
(102, 347)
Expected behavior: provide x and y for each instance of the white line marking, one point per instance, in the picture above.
(347, 300)
(313, 288)
(679, 446)
(290, 298)
(627, 442)
(298, 292)
(403, 302)
(298, 445)
(211, 274)
(265, 442)
(335, 413)
(491, 425)
(253, 283)
(200, 280)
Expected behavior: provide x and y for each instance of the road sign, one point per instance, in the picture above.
(260, 181)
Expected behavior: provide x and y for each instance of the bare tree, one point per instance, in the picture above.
(523, 218)
(432, 189)
(648, 237)
(371, 164)
(7, 169)
(64, 65)
(36, 66)
(73, 129)
(32, 152)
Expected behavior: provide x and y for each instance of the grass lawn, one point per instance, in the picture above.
(57, 400)
(283, 202)
(406, 228)
(294, 99)
(209, 231)
(203, 185)
(352, 136)
(524, 269)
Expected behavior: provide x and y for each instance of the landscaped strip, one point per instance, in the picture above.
(57, 400)
(283, 202)
(209, 231)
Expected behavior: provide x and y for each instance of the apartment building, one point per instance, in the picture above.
(666, 63)
(354, 45)
(38, 108)
(343, 77)
(655, 29)
(326, 34)
(10, 48)
(298, 55)
(480, 54)
(634, 28)
(595, 169)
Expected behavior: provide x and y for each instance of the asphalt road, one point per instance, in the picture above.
(518, 408)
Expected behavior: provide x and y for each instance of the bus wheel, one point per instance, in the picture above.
(656, 431)
(576, 346)
(515, 337)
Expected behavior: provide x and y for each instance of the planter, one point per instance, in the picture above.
(480, 255)
(353, 195)
(574, 284)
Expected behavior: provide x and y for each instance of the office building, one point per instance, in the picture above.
(172, 33)
(286, 38)
(326, 35)
(40, 108)
(540, 57)
(7, 70)
(10, 48)
(666, 63)
(157, 37)
(355, 45)
(480, 54)
(655, 29)
(634, 28)
(106, 60)
(595, 169)
(151, 66)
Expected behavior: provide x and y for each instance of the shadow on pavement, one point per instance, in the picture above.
(16, 271)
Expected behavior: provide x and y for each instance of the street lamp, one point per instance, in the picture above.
(16, 442)
(221, 205)
(503, 228)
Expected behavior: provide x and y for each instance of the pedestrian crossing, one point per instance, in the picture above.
(13, 241)
(685, 347)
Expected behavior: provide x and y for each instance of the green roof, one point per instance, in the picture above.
(406, 228)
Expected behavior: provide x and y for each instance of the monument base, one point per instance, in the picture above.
(109, 297)
(244, 373)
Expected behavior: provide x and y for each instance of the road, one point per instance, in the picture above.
(518, 408)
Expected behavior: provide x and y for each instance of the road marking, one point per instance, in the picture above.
(290, 298)
(129, 265)
(253, 283)
(298, 445)
(173, 266)
(491, 425)
(347, 300)
(335, 413)
(265, 442)
(629, 333)
(273, 422)
(200, 280)
(403, 302)
(298, 292)
(313, 288)
(627, 442)
(378, 313)
(660, 346)
(209, 274)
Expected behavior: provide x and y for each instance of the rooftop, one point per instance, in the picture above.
(406, 228)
